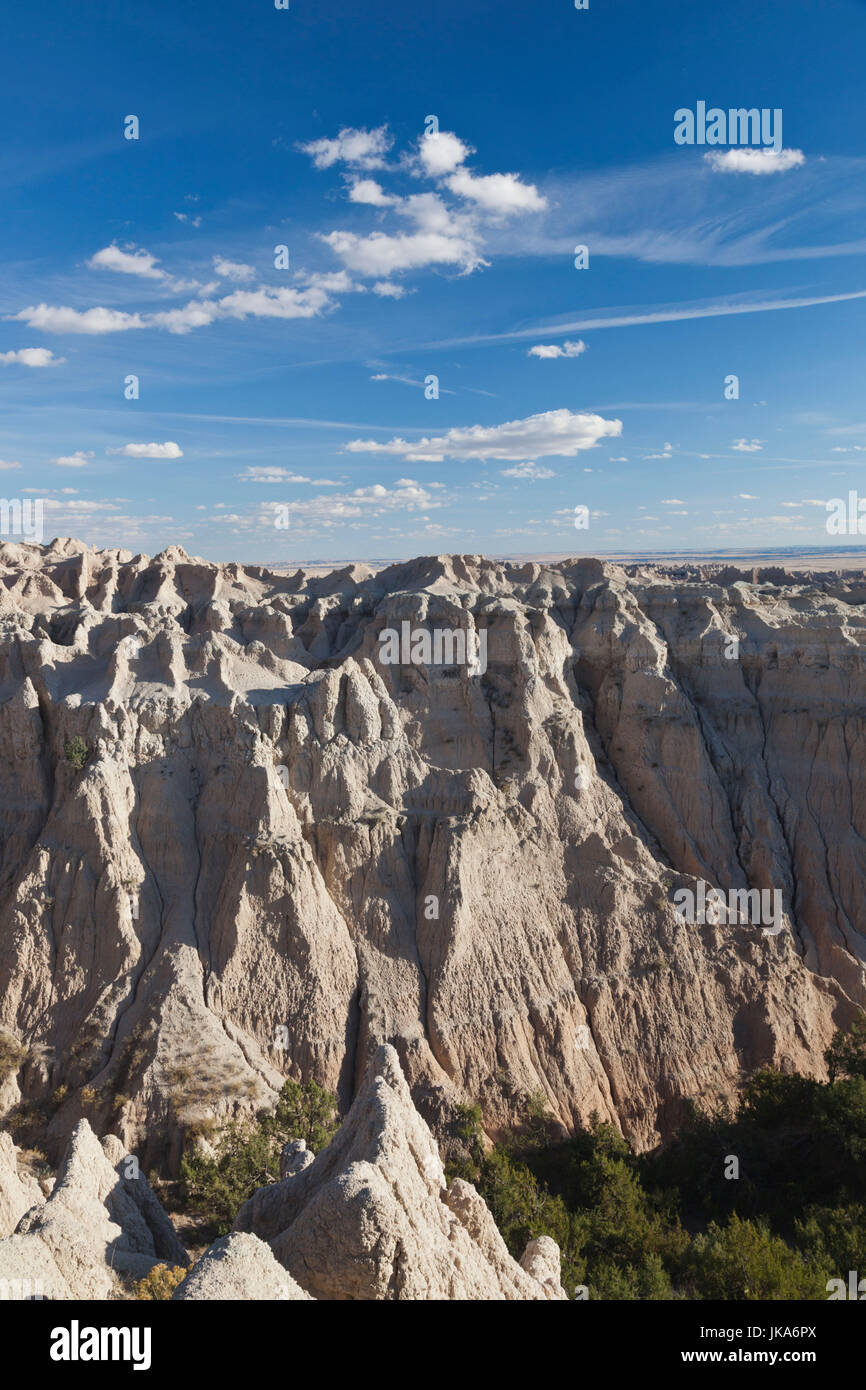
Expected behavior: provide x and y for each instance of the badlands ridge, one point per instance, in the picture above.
(274, 852)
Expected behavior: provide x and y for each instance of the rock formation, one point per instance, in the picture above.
(238, 1267)
(97, 1223)
(372, 1217)
(236, 845)
(19, 1191)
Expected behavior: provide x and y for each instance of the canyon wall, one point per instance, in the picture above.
(236, 844)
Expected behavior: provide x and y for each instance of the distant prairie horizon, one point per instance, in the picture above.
(792, 558)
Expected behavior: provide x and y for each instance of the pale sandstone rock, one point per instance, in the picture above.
(19, 1191)
(371, 1217)
(238, 1266)
(541, 1260)
(282, 853)
(96, 1224)
(294, 1158)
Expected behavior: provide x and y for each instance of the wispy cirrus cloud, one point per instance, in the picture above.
(532, 471)
(673, 212)
(409, 381)
(669, 313)
(274, 474)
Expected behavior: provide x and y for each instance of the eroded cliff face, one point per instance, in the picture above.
(282, 851)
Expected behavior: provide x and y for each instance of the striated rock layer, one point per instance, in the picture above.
(281, 852)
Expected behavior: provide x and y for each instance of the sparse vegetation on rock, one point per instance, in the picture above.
(218, 1177)
(75, 752)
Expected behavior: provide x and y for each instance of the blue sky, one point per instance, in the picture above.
(302, 388)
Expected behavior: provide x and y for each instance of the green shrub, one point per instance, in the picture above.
(307, 1112)
(246, 1155)
(846, 1055)
(744, 1261)
(75, 752)
(793, 1217)
(833, 1237)
(464, 1151)
(800, 1145)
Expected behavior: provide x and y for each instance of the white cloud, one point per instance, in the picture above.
(232, 270)
(53, 491)
(332, 282)
(61, 319)
(408, 381)
(274, 474)
(184, 217)
(381, 255)
(127, 262)
(554, 350)
(370, 192)
(431, 214)
(748, 497)
(555, 432)
(79, 459)
(748, 446)
(373, 501)
(749, 161)
(197, 314)
(500, 194)
(6, 465)
(387, 290)
(671, 501)
(527, 470)
(31, 357)
(263, 302)
(82, 505)
(440, 153)
(266, 302)
(363, 149)
(169, 450)
(696, 309)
